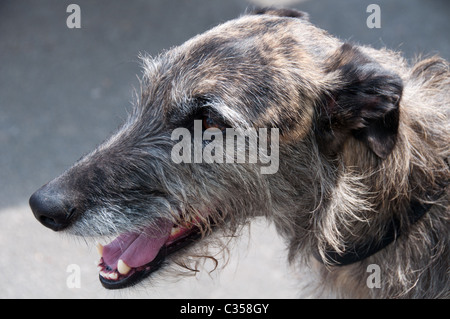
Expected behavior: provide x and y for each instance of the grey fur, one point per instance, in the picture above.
(331, 189)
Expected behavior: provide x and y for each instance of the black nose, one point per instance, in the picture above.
(51, 208)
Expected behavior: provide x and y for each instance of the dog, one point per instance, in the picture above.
(362, 174)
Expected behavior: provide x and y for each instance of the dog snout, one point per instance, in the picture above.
(52, 208)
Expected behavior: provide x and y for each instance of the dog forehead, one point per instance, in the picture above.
(252, 69)
(242, 35)
(245, 54)
(247, 26)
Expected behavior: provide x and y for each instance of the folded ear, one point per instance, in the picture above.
(281, 12)
(364, 103)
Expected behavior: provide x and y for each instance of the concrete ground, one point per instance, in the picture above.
(63, 91)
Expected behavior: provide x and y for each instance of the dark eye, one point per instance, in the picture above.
(210, 122)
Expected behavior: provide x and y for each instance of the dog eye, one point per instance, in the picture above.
(210, 122)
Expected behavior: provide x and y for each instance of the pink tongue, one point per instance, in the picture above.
(137, 249)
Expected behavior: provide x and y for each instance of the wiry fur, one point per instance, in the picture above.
(341, 179)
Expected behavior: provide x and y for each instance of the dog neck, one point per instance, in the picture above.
(411, 199)
(355, 253)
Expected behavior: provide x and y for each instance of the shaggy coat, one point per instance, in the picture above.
(363, 156)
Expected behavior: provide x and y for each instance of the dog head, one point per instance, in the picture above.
(267, 70)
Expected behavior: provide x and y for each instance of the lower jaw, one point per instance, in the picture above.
(136, 275)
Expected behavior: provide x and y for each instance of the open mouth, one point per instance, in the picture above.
(133, 256)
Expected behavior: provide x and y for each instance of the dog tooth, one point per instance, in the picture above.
(113, 276)
(122, 267)
(109, 275)
(100, 249)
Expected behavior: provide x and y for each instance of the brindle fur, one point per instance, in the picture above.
(362, 134)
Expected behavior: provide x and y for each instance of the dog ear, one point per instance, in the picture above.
(281, 12)
(365, 103)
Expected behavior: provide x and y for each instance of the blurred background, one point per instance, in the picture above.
(63, 91)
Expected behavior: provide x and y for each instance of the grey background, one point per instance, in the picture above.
(63, 91)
